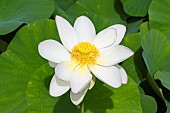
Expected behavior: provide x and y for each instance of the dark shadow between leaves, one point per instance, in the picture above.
(119, 9)
(161, 106)
(47, 81)
(98, 99)
(140, 64)
(165, 91)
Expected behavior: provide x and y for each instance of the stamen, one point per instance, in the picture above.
(84, 47)
(85, 53)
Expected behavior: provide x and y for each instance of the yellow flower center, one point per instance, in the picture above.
(85, 53)
(84, 47)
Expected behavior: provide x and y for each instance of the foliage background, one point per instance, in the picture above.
(25, 76)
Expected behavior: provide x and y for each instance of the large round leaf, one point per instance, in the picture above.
(25, 77)
(156, 51)
(102, 12)
(136, 7)
(156, 55)
(15, 12)
(159, 16)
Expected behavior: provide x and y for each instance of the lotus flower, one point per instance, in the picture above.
(83, 56)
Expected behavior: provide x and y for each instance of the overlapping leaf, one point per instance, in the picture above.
(156, 51)
(156, 55)
(148, 104)
(136, 7)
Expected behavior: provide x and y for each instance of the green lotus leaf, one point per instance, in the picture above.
(156, 55)
(13, 13)
(159, 16)
(148, 103)
(156, 51)
(144, 28)
(136, 7)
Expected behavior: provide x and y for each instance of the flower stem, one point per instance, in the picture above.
(82, 107)
(155, 86)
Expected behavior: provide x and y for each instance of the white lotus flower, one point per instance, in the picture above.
(83, 53)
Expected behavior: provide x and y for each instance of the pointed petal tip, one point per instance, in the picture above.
(83, 17)
(119, 27)
(125, 82)
(58, 87)
(105, 38)
(58, 17)
(59, 20)
(123, 74)
(77, 98)
(121, 30)
(42, 45)
(47, 49)
(132, 53)
(53, 95)
(65, 31)
(116, 86)
(84, 28)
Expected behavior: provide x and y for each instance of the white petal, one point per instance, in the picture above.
(105, 38)
(80, 78)
(109, 75)
(84, 29)
(66, 32)
(52, 64)
(92, 83)
(114, 55)
(77, 98)
(123, 74)
(58, 87)
(121, 29)
(53, 51)
(64, 70)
